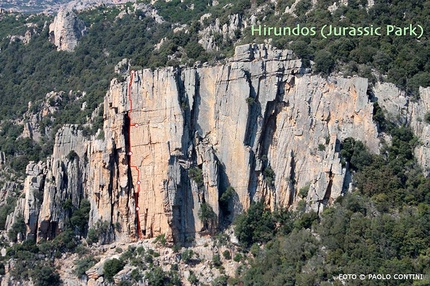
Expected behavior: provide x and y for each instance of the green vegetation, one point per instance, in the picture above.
(254, 225)
(250, 100)
(383, 226)
(187, 255)
(303, 192)
(402, 59)
(206, 215)
(99, 233)
(6, 209)
(226, 254)
(321, 147)
(427, 117)
(31, 261)
(196, 174)
(18, 228)
(160, 239)
(353, 240)
(237, 257)
(269, 175)
(112, 267)
(193, 278)
(83, 265)
(157, 277)
(216, 260)
(79, 219)
(46, 276)
(226, 199)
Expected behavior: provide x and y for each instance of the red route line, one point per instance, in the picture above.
(136, 194)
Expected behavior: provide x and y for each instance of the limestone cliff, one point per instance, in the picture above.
(232, 122)
(400, 108)
(66, 30)
(176, 139)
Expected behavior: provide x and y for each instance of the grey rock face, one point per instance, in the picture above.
(421, 128)
(66, 30)
(64, 181)
(258, 124)
(400, 109)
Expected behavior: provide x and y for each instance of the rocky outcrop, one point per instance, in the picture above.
(401, 109)
(33, 189)
(66, 30)
(64, 181)
(210, 36)
(419, 111)
(175, 140)
(232, 122)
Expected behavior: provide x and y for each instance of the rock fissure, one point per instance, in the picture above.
(204, 120)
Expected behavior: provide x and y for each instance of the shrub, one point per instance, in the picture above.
(99, 233)
(254, 225)
(65, 241)
(72, 155)
(220, 281)
(255, 249)
(237, 257)
(135, 275)
(225, 199)
(161, 239)
(216, 260)
(193, 278)
(197, 175)
(206, 214)
(6, 209)
(306, 220)
(156, 277)
(226, 254)
(324, 62)
(81, 216)
(427, 117)
(83, 265)
(140, 250)
(17, 227)
(269, 175)
(111, 268)
(149, 258)
(303, 192)
(46, 276)
(250, 100)
(176, 247)
(187, 255)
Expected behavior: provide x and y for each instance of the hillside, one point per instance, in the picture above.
(165, 144)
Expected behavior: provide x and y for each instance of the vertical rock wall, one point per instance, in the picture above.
(176, 139)
(66, 30)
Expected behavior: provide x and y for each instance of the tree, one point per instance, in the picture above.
(17, 228)
(427, 117)
(324, 62)
(80, 217)
(206, 215)
(197, 175)
(111, 268)
(254, 225)
(156, 277)
(46, 276)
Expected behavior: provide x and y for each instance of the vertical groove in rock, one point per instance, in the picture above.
(192, 117)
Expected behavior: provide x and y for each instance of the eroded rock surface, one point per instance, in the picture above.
(66, 30)
(176, 139)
